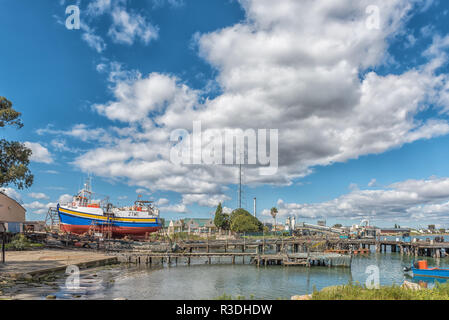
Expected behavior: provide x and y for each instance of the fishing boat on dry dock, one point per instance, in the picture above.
(83, 214)
(421, 269)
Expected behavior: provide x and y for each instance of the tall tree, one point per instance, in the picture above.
(221, 219)
(14, 156)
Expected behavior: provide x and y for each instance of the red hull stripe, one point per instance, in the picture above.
(135, 231)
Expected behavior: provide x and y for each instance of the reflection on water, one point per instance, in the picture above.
(210, 281)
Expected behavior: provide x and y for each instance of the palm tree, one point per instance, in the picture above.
(274, 212)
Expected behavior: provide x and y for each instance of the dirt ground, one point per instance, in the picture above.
(34, 262)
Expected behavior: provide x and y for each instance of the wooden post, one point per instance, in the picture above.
(3, 245)
(282, 241)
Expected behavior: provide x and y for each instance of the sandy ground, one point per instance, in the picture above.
(34, 274)
(23, 262)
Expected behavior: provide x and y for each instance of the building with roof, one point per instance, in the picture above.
(12, 213)
(192, 225)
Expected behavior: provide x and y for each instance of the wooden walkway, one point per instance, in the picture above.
(303, 259)
(219, 248)
(150, 258)
(346, 246)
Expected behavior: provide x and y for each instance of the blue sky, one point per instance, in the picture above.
(362, 112)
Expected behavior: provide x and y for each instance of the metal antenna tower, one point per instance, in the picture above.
(241, 190)
(240, 185)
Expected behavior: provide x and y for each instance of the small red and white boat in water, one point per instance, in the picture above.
(83, 214)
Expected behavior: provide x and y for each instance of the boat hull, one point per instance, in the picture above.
(79, 222)
(433, 273)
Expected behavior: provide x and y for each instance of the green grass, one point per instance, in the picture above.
(395, 292)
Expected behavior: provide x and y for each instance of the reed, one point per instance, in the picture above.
(359, 292)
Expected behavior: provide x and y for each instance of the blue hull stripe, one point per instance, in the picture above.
(81, 221)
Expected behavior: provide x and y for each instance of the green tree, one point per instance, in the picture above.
(9, 116)
(15, 157)
(221, 219)
(243, 221)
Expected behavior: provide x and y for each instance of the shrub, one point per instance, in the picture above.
(20, 243)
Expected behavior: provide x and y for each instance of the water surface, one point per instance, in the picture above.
(202, 281)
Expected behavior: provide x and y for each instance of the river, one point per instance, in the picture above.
(202, 281)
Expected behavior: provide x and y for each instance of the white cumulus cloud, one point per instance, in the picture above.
(296, 66)
(40, 153)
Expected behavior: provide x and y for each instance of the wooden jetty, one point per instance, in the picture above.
(305, 259)
(290, 245)
(346, 251)
(298, 259)
(335, 245)
(151, 258)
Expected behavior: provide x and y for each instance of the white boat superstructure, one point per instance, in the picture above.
(141, 209)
